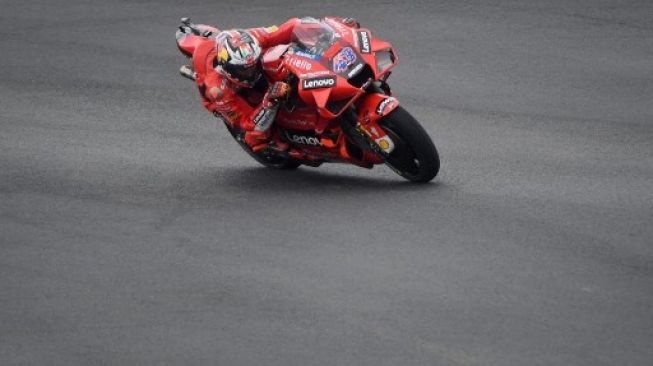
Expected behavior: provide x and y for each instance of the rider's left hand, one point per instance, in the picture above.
(279, 90)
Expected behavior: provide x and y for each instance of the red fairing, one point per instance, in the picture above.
(187, 43)
(331, 64)
(299, 119)
(371, 109)
(375, 106)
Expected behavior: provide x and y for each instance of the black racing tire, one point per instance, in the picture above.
(414, 156)
(268, 160)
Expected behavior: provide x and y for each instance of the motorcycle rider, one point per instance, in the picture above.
(230, 69)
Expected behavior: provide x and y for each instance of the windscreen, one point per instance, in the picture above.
(314, 38)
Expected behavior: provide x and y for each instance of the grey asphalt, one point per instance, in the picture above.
(134, 231)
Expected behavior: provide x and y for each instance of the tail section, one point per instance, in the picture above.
(189, 35)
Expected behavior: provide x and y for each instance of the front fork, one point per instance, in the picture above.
(363, 124)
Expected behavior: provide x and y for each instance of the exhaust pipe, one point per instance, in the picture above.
(188, 73)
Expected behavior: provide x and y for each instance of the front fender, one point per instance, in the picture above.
(374, 106)
(371, 109)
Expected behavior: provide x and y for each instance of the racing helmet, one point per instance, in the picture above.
(238, 57)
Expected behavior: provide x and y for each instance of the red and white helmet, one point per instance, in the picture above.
(238, 54)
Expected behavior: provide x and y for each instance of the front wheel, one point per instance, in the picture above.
(414, 156)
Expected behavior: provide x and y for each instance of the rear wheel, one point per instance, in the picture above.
(269, 160)
(414, 156)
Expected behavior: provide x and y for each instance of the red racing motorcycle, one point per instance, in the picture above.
(341, 108)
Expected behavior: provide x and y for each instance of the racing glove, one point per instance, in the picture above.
(260, 136)
(278, 90)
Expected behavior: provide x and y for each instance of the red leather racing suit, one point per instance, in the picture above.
(221, 96)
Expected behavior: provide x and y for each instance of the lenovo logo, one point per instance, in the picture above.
(321, 82)
(305, 140)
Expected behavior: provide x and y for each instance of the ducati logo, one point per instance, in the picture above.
(321, 82)
(364, 41)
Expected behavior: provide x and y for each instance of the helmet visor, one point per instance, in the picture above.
(248, 74)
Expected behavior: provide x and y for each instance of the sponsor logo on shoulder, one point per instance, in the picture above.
(319, 82)
(385, 104)
(364, 42)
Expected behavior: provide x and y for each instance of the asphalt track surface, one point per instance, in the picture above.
(134, 231)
